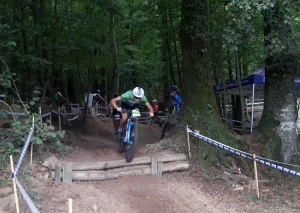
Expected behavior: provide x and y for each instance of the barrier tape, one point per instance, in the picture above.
(243, 154)
(22, 155)
(26, 197)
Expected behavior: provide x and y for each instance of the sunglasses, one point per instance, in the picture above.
(136, 98)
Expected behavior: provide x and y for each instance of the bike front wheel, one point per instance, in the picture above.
(130, 147)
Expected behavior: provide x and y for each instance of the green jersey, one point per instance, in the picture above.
(128, 98)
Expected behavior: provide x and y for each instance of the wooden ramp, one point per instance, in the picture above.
(156, 165)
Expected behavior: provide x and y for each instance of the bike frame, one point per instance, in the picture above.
(129, 125)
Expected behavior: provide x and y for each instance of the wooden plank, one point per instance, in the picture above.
(136, 170)
(153, 166)
(159, 168)
(57, 173)
(67, 173)
(78, 166)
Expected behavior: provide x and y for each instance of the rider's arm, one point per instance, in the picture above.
(108, 108)
(149, 107)
(101, 97)
(113, 102)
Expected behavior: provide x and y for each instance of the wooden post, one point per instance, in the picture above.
(40, 112)
(153, 166)
(78, 110)
(59, 119)
(159, 168)
(70, 205)
(14, 184)
(31, 153)
(50, 114)
(246, 110)
(188, 140)
(57, 174)
(256, 178)
(67, 173)
(31, 147)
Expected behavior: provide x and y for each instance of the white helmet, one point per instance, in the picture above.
(154, 101)
(138, 92)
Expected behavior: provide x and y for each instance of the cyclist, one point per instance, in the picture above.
(114, 112)
(97, 97)
(155, 112)
(171, 119)
(130, 100)
(176, 99)
(61, 101)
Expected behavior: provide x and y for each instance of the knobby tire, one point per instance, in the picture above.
(121, 143)
(130, 148)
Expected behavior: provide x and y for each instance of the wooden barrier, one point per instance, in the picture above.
(157, 165)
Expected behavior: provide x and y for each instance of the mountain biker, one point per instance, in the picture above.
(155, 112)
(60, 99)
(176, 99)
(97, 97)
(114, 112)
(130, 100)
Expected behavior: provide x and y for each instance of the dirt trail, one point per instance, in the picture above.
(188, 191)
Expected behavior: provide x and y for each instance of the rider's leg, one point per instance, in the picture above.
(121, 125)
(123, 120)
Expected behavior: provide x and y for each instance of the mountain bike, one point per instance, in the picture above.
(129, 135)
(169, 125)
(155, 122)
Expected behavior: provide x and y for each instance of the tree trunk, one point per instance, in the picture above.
(115, 77)
(197, 90)
(241, 97)
(277, 122)
(233, 98)
(166, 40)
(175, 48)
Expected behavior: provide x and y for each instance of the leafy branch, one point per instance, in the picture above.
(15, 86)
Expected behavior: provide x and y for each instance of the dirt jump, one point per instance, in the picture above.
(191, 190)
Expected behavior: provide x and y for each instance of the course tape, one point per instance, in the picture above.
(46, 115)
(23, 151)
(243, 154)
(14, 113)
(69, 119)
(26, 197)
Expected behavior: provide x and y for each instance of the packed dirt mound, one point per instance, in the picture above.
(97, 141)
(103, 128)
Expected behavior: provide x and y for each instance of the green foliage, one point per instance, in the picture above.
(13, 138)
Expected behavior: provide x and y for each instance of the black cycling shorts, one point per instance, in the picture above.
(125, 107)
(116, 112)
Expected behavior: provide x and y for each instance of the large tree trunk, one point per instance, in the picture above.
(197, 90)
(277, 122)
(175, 48)
(115, 77)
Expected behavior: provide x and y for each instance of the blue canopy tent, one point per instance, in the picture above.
(252, 85)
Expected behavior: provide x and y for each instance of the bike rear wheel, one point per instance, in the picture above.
(130, 147)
